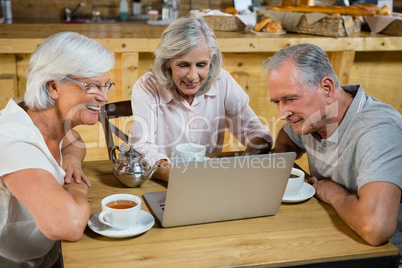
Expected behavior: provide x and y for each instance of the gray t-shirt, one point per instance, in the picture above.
(366, 147)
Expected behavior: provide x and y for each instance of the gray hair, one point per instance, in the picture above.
(62, 55)
(178, 38)
(312, 64)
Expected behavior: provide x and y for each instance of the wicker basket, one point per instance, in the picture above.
(334, 26)
(330, 26)
(225, 23)
(395, 28)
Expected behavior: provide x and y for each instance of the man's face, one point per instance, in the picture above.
(302, 108)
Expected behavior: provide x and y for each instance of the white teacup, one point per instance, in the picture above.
(190, 152)
(120, 211)
(295, 182)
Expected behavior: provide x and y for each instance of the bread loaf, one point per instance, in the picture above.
(372, 7)
(344, 10)
(262, 23)
(273, 27)
(288, 2)
(385, 11)
(231, 10)
(305, 2)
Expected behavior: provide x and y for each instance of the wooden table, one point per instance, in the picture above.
(301, 233)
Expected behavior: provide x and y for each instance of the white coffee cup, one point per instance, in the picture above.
(120, 211)
(295, 182)
(190, 152)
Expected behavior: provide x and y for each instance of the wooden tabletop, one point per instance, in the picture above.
(136, 37)
(301, 233)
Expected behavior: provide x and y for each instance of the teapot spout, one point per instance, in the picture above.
(148, 174)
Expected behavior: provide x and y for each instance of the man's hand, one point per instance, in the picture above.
(321, 186)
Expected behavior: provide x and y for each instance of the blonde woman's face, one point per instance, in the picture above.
(190, 70)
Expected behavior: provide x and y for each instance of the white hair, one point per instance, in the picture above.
(61, 55)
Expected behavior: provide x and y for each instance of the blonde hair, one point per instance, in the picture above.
(178, 38)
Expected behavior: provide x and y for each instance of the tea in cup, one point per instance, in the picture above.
(120, 211)
(190, 152)
(295, 182)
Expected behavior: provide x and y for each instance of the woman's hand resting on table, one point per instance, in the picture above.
(163, 170)
(74, 151)
(258, 146)
(73, 169)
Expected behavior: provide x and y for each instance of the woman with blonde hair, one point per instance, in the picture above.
(189, 98)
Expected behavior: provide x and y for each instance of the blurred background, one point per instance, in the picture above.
(54, 10)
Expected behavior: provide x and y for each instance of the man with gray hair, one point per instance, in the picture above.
(349, 137)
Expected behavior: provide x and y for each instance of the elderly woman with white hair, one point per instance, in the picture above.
(189, 98)
(43, 191)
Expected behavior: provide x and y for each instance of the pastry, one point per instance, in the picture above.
(385, 11)
(231, 10)
(262, 23)
(273, 27)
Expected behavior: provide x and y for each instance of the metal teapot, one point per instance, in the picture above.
(130, 168)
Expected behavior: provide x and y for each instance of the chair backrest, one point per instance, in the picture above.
(110, 111)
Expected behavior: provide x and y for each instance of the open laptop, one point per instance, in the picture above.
(220, 189)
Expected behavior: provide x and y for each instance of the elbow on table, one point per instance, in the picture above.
(377, 234)
(75, 229)
(75, 236)
(70, 226)
(69, 232)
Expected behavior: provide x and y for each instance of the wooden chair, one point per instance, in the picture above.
(111, 111)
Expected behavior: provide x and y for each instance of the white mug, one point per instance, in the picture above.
(120, 211)
(190, 152)
(295, 183)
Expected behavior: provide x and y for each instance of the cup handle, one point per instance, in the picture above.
(102, 219)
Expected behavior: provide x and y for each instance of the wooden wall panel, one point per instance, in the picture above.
(380, 75)
(8, 86)
(129, 73)
(22, 62)
(8, 79)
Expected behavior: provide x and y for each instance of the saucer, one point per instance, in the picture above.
(264, 33)
(145, 222)
(306, 192)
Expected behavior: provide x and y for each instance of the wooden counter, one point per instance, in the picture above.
(134, 37)
(374, 61)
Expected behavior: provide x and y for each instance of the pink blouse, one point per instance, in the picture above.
(163, 119)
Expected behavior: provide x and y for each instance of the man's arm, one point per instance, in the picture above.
(74, 151)
(283, 144)
(372, 213)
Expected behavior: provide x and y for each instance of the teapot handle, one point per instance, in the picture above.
(112, 151)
